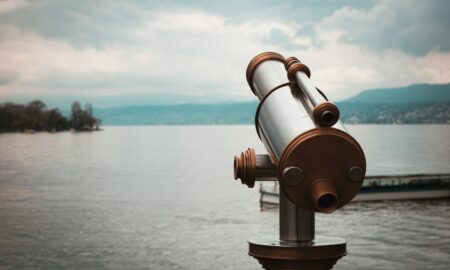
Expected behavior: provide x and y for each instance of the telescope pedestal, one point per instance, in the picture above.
(320, 254)
(297, 246)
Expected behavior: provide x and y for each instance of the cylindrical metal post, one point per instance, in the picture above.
(265, 169)
(296, 224)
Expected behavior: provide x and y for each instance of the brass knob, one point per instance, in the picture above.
(245, 167)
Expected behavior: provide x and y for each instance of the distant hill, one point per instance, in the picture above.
(123, 100)
(414, 104)
(409, 94)
(183, 114)
(421, 103)
(412, 93)
(390, 113)
(244, 113)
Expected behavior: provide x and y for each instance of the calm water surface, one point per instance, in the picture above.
(165, 198)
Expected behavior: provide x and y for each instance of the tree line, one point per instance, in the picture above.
(36, 117)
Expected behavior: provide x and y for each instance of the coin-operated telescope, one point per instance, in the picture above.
(318, 165)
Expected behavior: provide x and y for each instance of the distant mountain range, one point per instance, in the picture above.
(410, 94)
(122, 100)
(414, 104)
(420, 103)
(183, 114)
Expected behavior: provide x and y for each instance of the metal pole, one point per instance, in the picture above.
(296, 224)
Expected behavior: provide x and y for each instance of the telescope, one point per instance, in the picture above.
(319, 166)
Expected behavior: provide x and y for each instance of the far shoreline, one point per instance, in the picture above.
(28, 131)
(201, 125)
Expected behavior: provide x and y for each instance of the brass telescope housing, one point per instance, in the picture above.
(331, 161)
(319, 166)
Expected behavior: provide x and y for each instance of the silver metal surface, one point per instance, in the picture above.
(268, 75)
(339, 125)
(296, 224)
(356, 174)
(265, 169)
(282, 117)
(285, 114)
(292, 175)
(309, 89)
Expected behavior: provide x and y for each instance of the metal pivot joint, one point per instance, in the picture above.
(318, 165)
(250, 167)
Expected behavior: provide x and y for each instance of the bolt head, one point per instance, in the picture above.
(356, 174)
(293, 175)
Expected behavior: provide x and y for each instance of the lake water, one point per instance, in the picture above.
(164, 198)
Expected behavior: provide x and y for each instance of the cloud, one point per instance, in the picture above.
(8, 6)
(36, 58)
(169, 51)
(415, 27)
(95, 48)
(342, 70)
(7, 76)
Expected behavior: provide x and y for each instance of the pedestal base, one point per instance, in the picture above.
(275, 255)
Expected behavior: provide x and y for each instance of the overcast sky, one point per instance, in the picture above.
(203, 47)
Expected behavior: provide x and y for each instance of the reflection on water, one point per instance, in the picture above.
(164, 198)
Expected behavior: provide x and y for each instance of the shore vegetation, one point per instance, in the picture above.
(35, 116)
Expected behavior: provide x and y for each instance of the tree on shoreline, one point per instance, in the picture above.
(83, 119)
(35, 116)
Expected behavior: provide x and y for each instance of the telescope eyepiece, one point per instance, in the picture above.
(328, 117)
(326, 114)
(323, 196)
(326, 201)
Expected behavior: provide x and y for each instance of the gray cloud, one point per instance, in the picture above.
(98, 47)
(8, 76)
(276, 36)
(81, 23)
(415, 27)
(97, 23)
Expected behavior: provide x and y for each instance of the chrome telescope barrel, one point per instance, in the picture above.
(264, 74)
(324, 113)
(282, 117)
(282, 114)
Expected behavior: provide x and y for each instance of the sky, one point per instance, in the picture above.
(198, 48)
